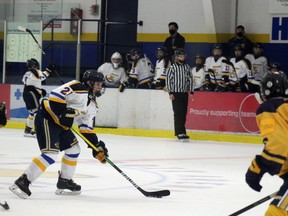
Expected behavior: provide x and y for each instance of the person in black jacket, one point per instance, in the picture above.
(175, 40)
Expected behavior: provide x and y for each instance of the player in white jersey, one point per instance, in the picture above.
(141, 73)
(71, 101)
(163, 62)
(113, 72)
(199, 73)
(33, 91)
(217, 72)
(259, 62)
(240, 71)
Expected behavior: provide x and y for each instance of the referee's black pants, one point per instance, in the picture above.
(180, 106)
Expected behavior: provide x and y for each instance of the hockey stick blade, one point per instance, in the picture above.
(5, 205)
(155, 194)
(21, 28)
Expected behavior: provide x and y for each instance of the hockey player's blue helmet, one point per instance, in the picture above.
(273, 85)
(32, 63)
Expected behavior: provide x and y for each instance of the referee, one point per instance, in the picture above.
(179, 84)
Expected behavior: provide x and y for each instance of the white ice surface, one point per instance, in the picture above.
(205, 178)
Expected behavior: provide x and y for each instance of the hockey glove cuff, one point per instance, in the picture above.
(254, 175)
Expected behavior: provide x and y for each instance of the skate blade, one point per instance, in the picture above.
(16, 190)
(30, 135)
(66, 192)
(183, 140)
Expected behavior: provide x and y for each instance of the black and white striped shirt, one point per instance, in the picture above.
(179, 78)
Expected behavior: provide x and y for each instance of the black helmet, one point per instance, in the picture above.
(275, 65)
(135, 54)
(274, 85)
(32, 63)
(179, 51)
(161, 52)
(217, 46)
(92, 76)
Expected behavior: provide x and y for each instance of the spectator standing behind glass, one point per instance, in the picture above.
(179, 85)
(113, 71)
(175, 40)
(198, 73)
(141, 73)
(162, 64)
(241, 39)
(259, 62)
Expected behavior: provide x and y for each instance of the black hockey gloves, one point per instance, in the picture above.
(254, 175)
(67, 117)
(102, 153)
(51, 68)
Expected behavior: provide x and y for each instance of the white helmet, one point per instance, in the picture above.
(116, 59)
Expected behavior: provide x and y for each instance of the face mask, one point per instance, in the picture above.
(172, 31)
(239, 34)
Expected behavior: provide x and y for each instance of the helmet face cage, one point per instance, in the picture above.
(32, 63)
(274, 85)
(116, 59)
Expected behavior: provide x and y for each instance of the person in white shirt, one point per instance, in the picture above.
(199, 73)
(217, 72)
(72, 101)
(113, 71)
(163, 62)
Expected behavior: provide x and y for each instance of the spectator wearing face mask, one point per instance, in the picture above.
(241, 39)
(175, 40)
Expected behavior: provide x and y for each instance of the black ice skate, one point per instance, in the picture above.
(67, 187)
(29, 132)
(183, 138)
(21, 187)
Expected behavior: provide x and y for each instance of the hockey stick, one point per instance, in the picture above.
(21, 28)
(254, 204)
(156, 194)
(5, 205)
